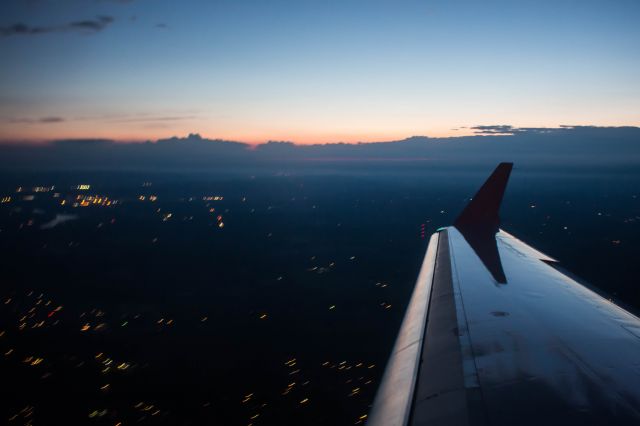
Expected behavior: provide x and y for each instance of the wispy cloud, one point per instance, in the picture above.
(508, 130)
(495, 129)
(98, 24)
(152, 119)
(51, 120)
(44, 120)
(119, 118)
(85, 26)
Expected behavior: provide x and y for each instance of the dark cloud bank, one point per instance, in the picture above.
(560, 147)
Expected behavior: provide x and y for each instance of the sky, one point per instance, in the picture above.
(313, 71)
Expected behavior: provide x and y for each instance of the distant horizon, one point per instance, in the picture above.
(462, 132)
(560, 146)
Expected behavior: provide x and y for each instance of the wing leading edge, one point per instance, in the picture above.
(529, 346)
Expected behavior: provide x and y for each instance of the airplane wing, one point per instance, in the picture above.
(496, 333)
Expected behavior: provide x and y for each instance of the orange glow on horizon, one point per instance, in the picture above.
(42, 134)
(251, 139)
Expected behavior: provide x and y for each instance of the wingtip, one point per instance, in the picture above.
(506, 166)
(483, 210)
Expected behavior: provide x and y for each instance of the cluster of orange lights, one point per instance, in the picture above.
(92, 200)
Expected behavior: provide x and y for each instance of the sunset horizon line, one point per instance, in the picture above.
(466, 131)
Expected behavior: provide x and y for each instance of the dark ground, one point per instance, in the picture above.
(285, 315)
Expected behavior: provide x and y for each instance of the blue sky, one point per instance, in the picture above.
(313, 71)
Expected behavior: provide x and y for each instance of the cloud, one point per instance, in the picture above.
(136, 118)
(44, 120)
(98, 24)
(22, 29)
(507, 130)
(496, 129)
(86, 26)
(51, 120)
(152, 119)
